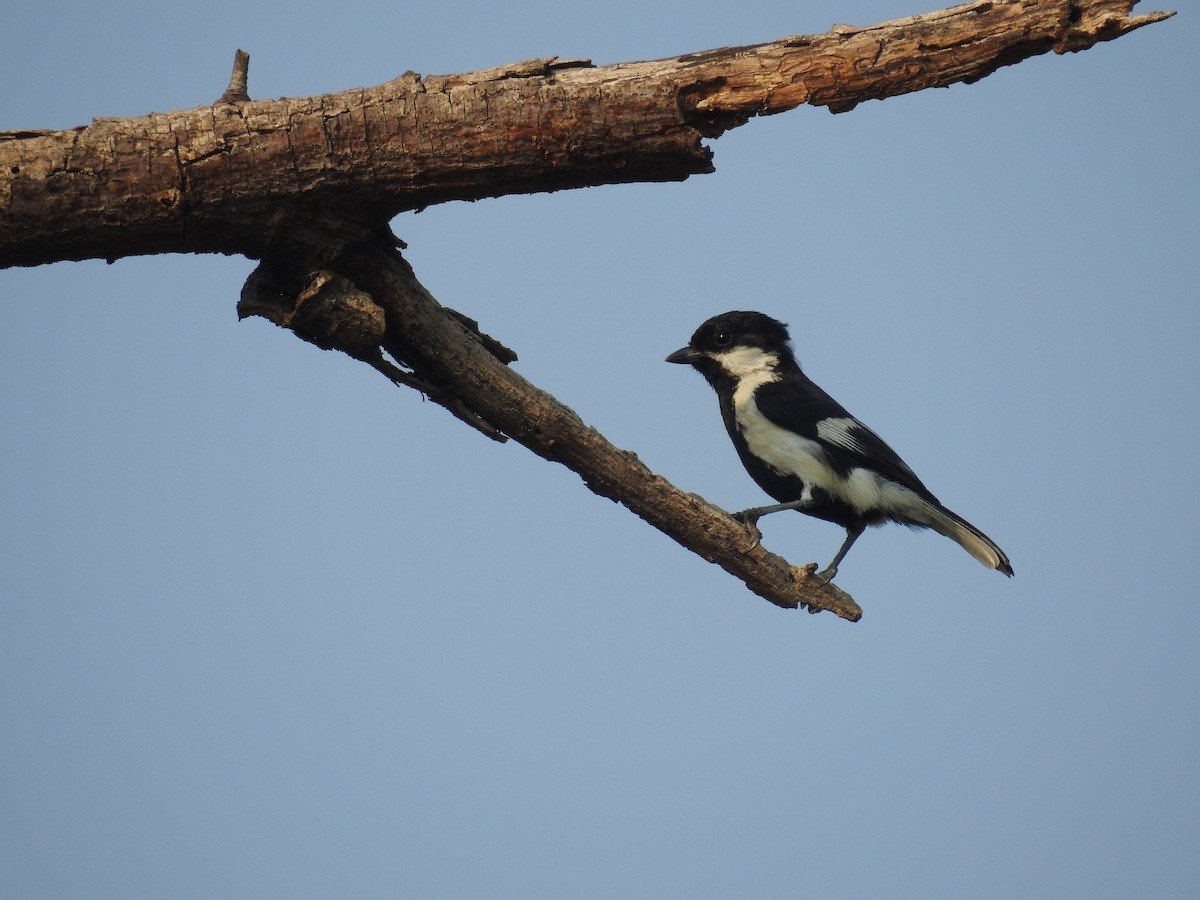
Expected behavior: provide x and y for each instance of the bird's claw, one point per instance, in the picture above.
(747, 517)
(823, 578)
(757, 537)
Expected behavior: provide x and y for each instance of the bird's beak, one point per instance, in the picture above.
(685, 356)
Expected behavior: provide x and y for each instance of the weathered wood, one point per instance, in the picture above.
(382, 304)
(308, 185)
(209, 179)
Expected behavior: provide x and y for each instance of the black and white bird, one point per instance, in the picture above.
(804, 449)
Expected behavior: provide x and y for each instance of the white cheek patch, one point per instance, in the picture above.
(751, 368)
(747, 362)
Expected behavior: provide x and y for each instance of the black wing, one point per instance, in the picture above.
(797, 404)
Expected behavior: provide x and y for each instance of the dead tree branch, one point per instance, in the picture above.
(308, 185)
(444, 355)
(207, 179)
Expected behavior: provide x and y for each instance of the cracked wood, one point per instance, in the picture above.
(209, 179)
(309, 184)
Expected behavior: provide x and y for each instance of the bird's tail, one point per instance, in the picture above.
(970, 538)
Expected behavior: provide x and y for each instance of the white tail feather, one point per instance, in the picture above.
(970, 538)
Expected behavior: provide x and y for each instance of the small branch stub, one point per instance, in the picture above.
(237, 90)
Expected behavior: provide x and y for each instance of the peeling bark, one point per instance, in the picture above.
(308, 185)
(443, 354)
(209, 179)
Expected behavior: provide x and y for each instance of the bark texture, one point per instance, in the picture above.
(357, 294)
(308, 185)
(209, 179)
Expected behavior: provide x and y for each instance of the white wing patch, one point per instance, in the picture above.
(846, 432)
(841, 433)
(792, 454)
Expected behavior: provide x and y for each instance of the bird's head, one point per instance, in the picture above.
(735, 345)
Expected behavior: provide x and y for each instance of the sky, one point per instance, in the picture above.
(272, 627)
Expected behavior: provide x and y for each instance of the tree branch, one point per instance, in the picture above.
(364, 295)
(207, 179)
(308, 186)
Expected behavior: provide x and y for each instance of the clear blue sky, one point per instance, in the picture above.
(270, 627)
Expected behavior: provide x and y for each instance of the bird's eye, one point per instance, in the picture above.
(722, 338)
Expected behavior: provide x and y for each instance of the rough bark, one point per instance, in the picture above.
(355, 293)
(307, 186)
(208, 179)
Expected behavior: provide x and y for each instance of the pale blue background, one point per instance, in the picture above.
(270, 627)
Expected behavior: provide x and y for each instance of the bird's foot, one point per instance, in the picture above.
(755, 536)
(748, 517)
(752, 515)
(821, 578)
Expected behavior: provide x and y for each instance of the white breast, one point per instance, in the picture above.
(784, 451)
(792, 454)
(804, 458)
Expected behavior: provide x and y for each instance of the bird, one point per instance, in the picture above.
(805, 450)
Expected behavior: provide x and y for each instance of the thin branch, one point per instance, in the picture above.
(437, 344)
(467, 372)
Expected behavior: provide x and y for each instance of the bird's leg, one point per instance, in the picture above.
(750, 516)
(852, 535)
